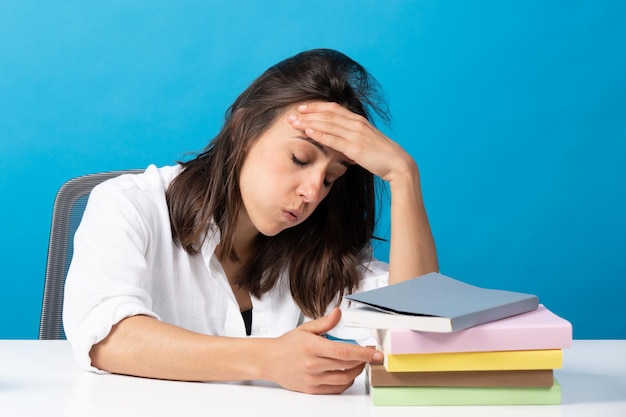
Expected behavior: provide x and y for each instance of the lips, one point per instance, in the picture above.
(292, 216)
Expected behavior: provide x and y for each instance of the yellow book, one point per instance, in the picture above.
(475, 361)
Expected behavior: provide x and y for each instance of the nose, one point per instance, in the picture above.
(311, 190)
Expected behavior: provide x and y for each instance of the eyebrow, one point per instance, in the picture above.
(322, 148)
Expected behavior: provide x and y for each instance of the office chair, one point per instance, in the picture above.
(67, 213)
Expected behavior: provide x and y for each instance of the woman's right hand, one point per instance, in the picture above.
(302, 360)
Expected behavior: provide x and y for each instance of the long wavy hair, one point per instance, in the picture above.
(322, 255)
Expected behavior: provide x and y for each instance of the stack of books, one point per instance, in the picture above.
(489, 347)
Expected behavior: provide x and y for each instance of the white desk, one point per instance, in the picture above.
(40, 378)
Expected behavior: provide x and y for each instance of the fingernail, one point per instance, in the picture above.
(302, 107)
(378, 357)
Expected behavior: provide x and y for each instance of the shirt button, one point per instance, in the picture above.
(264, 330)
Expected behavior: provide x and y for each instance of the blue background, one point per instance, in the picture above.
(514, 110)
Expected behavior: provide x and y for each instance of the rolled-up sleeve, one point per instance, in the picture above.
(106, 281)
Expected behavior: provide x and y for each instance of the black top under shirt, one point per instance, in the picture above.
(247, 321)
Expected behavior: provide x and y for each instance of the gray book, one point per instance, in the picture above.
(435, 303)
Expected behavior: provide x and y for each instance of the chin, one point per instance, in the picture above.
(270, 231)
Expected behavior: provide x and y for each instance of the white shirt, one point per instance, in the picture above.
(126, 263)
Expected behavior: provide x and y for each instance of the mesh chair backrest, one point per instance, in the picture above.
(67, 213)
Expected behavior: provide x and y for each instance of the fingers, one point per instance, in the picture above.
(352, 135)
(335, 381)
(317, 364)
(349, 354)
(340, 355)
(328, 108)
(332, 125)
(323, 324)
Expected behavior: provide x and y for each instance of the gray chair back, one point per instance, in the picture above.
(67, 213)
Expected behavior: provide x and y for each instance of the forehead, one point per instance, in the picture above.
(280, 132)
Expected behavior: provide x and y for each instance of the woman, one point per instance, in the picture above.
(231, 265)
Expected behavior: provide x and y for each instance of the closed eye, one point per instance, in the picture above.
(296, 161)
(300, 163)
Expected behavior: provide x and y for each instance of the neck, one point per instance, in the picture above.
(244, 236)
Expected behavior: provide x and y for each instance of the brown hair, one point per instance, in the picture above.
(321, 255)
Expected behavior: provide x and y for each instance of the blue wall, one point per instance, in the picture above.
(515, 112)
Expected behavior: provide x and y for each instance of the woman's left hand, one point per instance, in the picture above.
(354, 136)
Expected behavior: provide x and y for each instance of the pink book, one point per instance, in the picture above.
(537, 329)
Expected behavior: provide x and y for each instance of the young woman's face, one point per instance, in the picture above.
(285, 175)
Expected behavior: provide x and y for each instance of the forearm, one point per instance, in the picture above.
(299, 360)
(144, 346)
(412, 249)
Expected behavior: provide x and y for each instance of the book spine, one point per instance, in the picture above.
(477, 339)
(496, 313)
(409, 396)
(379, 377)
(475, 361)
